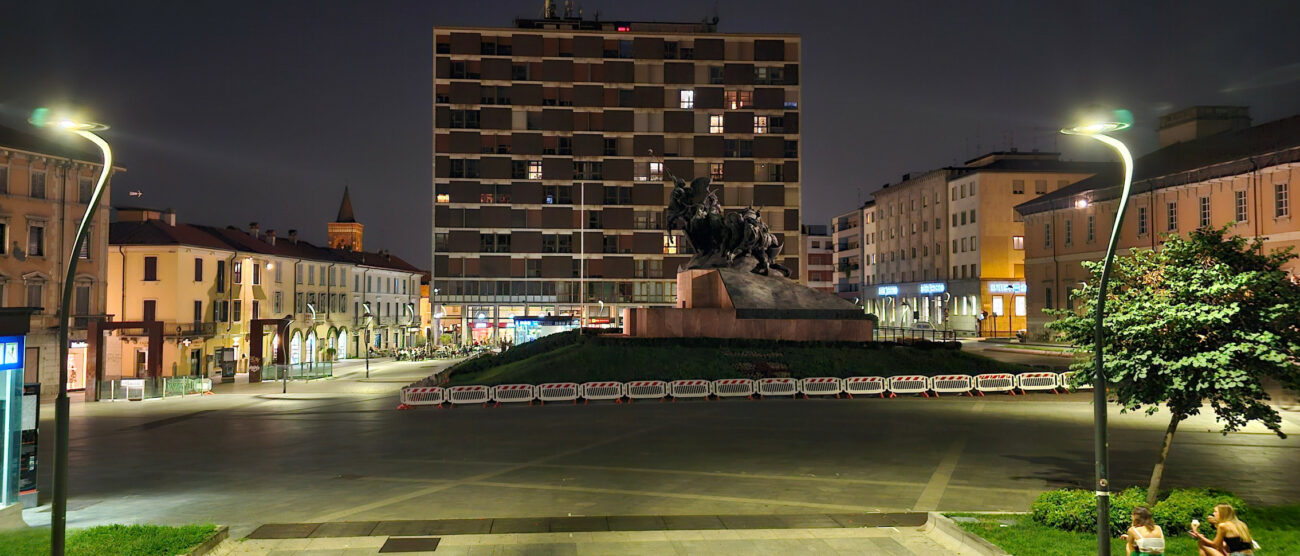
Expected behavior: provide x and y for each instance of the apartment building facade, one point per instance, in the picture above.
(818, 258)
(950, 249)
(45, 188)
(207, 285)
(553, 141)
(1211, 174)
(846, 230)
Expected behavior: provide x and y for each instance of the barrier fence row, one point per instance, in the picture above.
(926, 386)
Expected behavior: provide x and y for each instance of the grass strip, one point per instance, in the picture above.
(109, 540)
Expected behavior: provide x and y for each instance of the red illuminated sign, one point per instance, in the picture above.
(624, 28)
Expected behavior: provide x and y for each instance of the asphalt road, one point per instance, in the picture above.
(338, 450)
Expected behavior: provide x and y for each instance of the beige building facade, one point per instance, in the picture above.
(1222, 176)
(45, 187)
(818, 258)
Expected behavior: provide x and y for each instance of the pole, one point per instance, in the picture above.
(367, 350)
(59, 511)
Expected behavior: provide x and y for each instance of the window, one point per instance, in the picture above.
(1092, 228)
(656, 171)
(1047, 234)
(198, 311)
(36, 240)
(4, 242)
(1020, 306)
(1239, 206)
(198, 269)
(687, 98)
(221, 276)
(1281, 200)
(257, 274)
(715, 75)
(1205, 211)
(83, 190)
(1018, 243)
(534, 169)
(739, 99)
(1171, 210)
(4, 180)
(715, 123)
(1040, 187)
(38, 184)
(36, 294)
(151, 269)
(237, 272)
(84, 252)
(760, 124)
(149, 312)
(257, 310)
(1018, 187)
(972, 216)
(1069, 232)
(237, 311)
(715, 171)
(1142, 221)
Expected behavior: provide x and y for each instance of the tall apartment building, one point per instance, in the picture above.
(552, 142)
(950, 249)
(818, 258)
(45, 186)
(1207, 173)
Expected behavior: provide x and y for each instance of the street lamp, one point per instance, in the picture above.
(59, 511)
(284, 373)
(366, 306)
(1098, 131)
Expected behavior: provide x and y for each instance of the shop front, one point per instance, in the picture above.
(528, 329)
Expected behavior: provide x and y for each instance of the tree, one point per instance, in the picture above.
(1204, 319)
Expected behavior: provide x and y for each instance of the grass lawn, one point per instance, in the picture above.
(1276, 529)
(109, 540)
(569, 358)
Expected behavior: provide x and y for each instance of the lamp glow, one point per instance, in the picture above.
(1081, 203)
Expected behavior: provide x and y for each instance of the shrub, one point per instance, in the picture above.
(1121, 508)
(1067, 509)
(1176, 512)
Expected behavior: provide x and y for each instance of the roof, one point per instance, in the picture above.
(47, 144)
(1035, 165)
(1225, 154)
(345, 208)
(157, 232)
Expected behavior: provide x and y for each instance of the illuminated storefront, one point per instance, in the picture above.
(77, 366)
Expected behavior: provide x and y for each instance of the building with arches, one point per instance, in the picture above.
(207, 284)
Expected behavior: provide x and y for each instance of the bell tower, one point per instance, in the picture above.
(345, 232)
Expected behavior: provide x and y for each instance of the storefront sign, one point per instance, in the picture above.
(933, 287)
(886, 290)
(1007, 287)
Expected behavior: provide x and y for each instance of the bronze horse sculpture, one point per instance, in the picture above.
(720, 238)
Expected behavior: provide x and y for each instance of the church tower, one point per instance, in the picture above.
(345, 232)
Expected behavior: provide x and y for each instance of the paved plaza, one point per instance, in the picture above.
(339, 451)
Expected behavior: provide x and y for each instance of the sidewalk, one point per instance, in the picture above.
(899, 534)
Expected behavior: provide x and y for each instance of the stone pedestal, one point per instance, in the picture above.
(732, 303)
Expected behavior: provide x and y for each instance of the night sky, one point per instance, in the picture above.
(239, 111)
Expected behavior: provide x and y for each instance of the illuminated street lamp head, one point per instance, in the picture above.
(1081, 203)
(1096, 128)
(41, 118)
(1097, 122)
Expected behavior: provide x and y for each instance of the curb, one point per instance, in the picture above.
(221, 534)
(947, 533)
(1030, 351)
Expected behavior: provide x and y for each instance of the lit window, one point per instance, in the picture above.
(670, 244)
(656, 171)
(534, 169)
(739, 99)
(715, 123)
(715, 171)
(1281, 200)
(1020, 306)
(687, 97)
(760, 124)
(444, 198)
(1018, 243)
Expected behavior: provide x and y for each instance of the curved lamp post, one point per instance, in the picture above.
(1098, 131)
(369, 316)
(59, 511)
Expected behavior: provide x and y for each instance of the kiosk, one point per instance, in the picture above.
(14, 323)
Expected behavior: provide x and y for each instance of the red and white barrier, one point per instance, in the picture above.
(1038, 381)
(733, 388)
(868, 385)
(821, 386)
(778, 387)
(458, 395)
(602, 391)
(647, 389)
(957, 384)
(421, 395)
(995, 383)
(507, 393)
(558, 392)
(908, 384)
(690, 388)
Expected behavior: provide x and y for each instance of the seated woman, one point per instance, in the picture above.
(1144, 537)
(1231, 538)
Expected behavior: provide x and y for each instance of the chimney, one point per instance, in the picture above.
(169, 216)
(252, 229)
(270, 237)
(293, 237)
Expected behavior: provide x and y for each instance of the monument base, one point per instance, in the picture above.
(735, 303)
